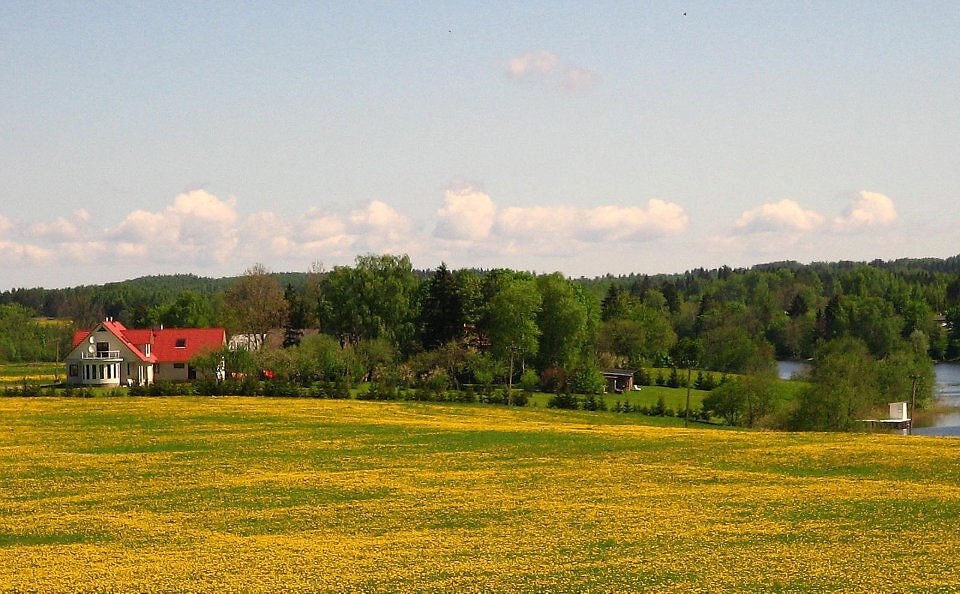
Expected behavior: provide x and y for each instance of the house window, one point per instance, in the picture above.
(102, 348)
(181, 343)
(178, 365)
(73, 370)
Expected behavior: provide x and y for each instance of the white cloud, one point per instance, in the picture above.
(380, 218)
(539, 62)
(633, 223)
(867, 209)
(204, 206)
(321, 233)
(560, 225)
(546, 68)
(140, 226)
(551, 221)
(63, 229)
(23, 254)
(318, 224)
(265, 231)
(578, 79)
(197, 224)
(786, 215)
(467, 213)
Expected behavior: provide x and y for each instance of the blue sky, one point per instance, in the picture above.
(581, 137)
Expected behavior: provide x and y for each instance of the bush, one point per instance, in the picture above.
(554, 379)
(593, 402)
(341, 389)
(520, 398)
(659, 409)
(436, 379)
(529, 381)
(588, 380)
(641, 377)
(466, 395)
(674, 380)
(704, 381)
(564, 400)
(21, 390)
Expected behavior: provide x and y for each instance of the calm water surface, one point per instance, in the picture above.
(792, 369)
(947, 393)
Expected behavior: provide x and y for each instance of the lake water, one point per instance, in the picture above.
(947, 393)
(791, 369)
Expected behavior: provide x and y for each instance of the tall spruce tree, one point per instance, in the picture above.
(442, 310)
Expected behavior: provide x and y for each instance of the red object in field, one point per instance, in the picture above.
(267, 374)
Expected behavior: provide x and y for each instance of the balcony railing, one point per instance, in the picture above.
(101, 355)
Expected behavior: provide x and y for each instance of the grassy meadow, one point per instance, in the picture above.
(16, 373)
(250, 494)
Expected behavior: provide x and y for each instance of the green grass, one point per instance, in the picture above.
(22, 369)
(674, 398)
(14, 373)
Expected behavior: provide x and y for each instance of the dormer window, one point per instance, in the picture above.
(181, 343)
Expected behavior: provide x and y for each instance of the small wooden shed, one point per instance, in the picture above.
(618, 380)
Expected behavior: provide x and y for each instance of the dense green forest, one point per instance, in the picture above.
(870, 329)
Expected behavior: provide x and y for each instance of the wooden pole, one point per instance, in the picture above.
(913, 400)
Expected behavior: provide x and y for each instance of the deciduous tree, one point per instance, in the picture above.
(256, 304)
(512, 324)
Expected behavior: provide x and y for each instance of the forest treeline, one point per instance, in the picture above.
(871, 329)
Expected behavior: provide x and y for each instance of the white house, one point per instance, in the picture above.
(113, 355)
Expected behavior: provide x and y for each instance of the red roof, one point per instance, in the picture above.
(179, 345)
(139, 337)
(167, 345)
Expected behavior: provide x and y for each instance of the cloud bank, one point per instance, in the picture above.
(865, 211)
(785, 229)
(198, 230)
(471, 216)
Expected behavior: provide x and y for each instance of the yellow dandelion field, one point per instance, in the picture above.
(246, 494)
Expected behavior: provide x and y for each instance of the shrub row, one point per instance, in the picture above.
(246, 387)
(568, 401)
(377, 391)
(660, 410)
(35, 390)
